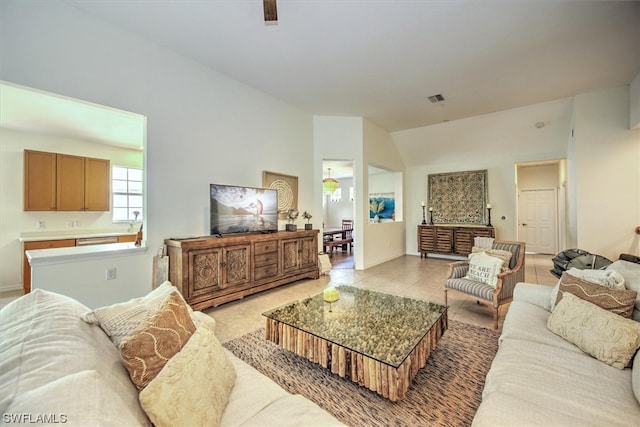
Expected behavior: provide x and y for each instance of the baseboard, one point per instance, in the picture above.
(10, 288)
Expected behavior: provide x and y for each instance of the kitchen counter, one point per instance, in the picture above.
(75, 253)
(36, 236)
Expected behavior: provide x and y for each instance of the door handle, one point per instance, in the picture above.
(524, 225)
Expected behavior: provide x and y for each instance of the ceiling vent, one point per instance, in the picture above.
(436, 98)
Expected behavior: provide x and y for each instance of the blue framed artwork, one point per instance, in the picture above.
(382, 206)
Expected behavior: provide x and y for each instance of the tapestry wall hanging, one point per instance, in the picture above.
(287, 187)
(458, 197)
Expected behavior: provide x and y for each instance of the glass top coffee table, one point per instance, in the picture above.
(377, 340)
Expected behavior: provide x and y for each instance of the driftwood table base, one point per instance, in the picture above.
(386, 380)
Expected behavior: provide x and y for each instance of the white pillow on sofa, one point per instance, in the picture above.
(119, 320)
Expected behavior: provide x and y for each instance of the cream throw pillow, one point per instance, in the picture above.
(505, 256)
(610, 338)
(147, 349)
(484, 268)
(194, 386)
(119, 320)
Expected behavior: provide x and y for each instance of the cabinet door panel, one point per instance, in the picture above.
(39, 181)
(97, 188)
(236, 265)
(290, 256)
(444, 240)
(308, 251)
(69, 183)
(205, 269)
(464, 241)
(427, 239)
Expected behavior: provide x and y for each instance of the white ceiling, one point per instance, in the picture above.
(382, 59)
(379, 60)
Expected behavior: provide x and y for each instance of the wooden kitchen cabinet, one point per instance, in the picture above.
(43, 244)
(211, 270)
(450, 239)
(69, 183)
(39, 181)
(64, 182)
(97, 184)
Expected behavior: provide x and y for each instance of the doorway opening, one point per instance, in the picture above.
(338, 209)
(541, 204)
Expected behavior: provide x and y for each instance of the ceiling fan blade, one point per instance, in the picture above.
(270, 11)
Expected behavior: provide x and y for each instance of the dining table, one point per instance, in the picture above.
(332, 232)
(336, 236)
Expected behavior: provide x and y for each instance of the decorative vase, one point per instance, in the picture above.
(308, 226)
(291, 227)
(376, 218)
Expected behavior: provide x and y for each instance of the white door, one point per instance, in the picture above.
(537, 220)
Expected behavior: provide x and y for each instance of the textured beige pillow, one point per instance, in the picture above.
(602, 334)
(146, 350)
(194, 386)
(118, 320)
(484, 268)
(615, 300)
(505, 256)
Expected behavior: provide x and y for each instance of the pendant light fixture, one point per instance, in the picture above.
(329, 185)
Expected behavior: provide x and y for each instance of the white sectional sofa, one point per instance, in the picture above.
(56, 368)
(540, 379)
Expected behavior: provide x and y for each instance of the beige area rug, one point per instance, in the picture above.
(446, 392)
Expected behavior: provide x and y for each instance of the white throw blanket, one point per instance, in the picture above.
(609, 278)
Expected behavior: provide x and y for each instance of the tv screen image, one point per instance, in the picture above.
(243, 209)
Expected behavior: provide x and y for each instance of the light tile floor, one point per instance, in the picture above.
(408, 275)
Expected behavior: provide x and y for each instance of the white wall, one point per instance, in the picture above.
(14, 220)
(634, 103)
(383, 241)
(202, 127)
(340, 138)
(543, 176)
(607, 170)
(495, 142)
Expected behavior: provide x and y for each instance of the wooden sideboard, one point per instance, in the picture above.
(211, 270)
(450, 239)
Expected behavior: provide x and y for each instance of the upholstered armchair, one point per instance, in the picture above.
(502, 293)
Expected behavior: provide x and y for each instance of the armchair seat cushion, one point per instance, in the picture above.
(471, 287)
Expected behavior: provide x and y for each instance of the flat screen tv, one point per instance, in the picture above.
(243, 209)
